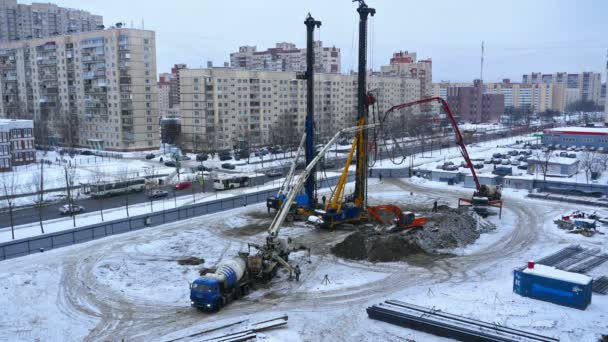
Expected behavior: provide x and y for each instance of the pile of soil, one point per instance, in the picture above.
(447, 228)
(191, 261)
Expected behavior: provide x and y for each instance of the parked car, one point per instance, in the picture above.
(496, 155)
(274, 173)
(183, 185)
(158, 194)
(514, 162)
(202, 157)
(571, 155)
(506, 162)
(184, 157)
(563, 154)
(225, 157)
(204, 168)
(513, 153)
(228, 166)
(487, 161)
(478, 166)
(150, 156)
(523, 166)
(170, 163)
(496, 161)
(86, 153)
(69, 209)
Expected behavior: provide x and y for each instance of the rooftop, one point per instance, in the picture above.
(579, 130)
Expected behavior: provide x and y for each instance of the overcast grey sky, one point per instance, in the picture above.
(520, 36)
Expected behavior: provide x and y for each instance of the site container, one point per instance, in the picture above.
(553, 285)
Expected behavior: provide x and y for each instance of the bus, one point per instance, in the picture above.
(112, 188)
(227, 181)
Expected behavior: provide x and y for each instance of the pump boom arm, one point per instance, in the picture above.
(287, 183)
(459, 139)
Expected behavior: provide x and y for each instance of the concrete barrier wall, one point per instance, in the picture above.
(69, 237)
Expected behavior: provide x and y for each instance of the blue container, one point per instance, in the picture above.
(555, 286)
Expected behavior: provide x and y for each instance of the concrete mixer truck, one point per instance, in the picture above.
(230, 281)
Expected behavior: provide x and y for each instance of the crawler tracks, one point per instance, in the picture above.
(121, 316)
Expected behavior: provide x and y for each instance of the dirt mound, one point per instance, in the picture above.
(191, 261)
(447, 228)
(352, 247)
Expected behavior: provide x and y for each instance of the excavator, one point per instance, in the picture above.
(401, 221)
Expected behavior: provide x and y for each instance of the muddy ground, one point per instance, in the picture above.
(448, 228)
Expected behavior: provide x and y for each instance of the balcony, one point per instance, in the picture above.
(124, 47)
(88, 75)
(125, 81)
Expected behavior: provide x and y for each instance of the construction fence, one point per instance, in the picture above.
(74, 236)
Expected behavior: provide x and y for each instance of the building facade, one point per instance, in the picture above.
(17, 145)
(585, 86)
(582, 137)
(164, 90)
(93, 89)
(225, 107)
(286, 57)
(41, 20)
(405, 64)
(470, 104)
(539, 97)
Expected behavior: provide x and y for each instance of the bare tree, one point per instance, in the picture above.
(543, 159)
(8, 192)
(70, 174)
(38, 184)
(590, 163)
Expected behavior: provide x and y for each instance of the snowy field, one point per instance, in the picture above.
(130, 286)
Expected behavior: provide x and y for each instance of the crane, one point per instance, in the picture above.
(275, 202)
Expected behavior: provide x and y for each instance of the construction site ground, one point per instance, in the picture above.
(132, 287)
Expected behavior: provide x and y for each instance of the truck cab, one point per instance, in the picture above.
(205, 294)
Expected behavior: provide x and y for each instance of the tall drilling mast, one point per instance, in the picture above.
(310, 23)
(362, 106)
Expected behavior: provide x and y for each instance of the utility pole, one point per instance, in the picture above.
(309, 186)
(362, 108)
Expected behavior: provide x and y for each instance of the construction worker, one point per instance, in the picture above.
(435, 206)
(297, 271)
(323, 199)
(380, 177)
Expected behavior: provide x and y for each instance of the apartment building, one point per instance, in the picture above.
(539, 97)
(41, 20)
(580, 86)
(286, 57)
(470, 104)
(164, 90)
(405, 64)
(93, 89)
(226, 107)
(16, 143)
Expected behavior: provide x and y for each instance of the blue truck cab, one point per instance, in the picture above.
(205, 294)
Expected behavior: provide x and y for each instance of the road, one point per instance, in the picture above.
(51, 211)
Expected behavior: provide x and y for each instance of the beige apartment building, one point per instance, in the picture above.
(40, 20)
(286, 57)
(540, 96)
(93, 89)
(579, 86)
(223, 107)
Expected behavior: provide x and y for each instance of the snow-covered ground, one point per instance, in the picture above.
(130, 287)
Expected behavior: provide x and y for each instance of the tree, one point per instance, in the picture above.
(8, 192)
(70, 174)
(543, 159)
(38, 183)
(590, 164)
(583, 106)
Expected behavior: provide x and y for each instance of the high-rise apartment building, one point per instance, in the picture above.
(538, 97)
(164, 90)
(174, 97)
(470, 104)
(92, 89)
(226, 107)
(41, 20)
(286, 57)
(404, 63)
(584, 86)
